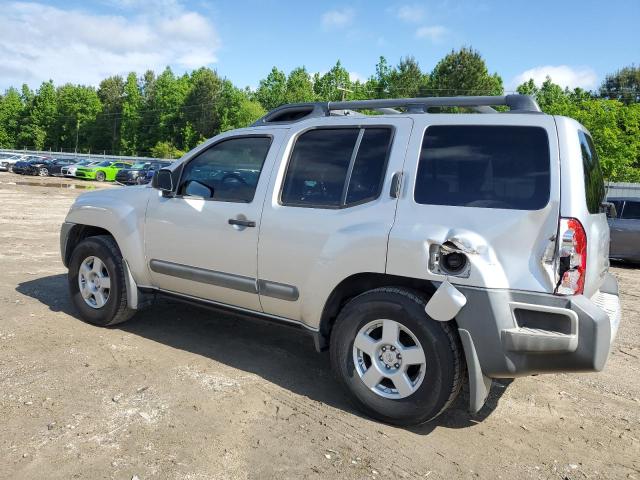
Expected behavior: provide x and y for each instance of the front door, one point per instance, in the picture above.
(203, 241)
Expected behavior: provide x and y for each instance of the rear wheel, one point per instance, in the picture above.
(43, 172)
(400, 366)
(97, 282)
(100, 176)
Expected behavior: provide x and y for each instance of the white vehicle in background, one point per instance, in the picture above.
(70, 171)
(8, 160)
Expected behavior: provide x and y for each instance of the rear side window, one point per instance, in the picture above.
(337, 167)
(484, 166)
(631, 210)
(593, 182)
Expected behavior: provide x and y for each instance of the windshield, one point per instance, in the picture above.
(138, 166)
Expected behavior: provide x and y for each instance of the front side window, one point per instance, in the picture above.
(337, 167)
(631, 210)
(228, 171)
(593, 182)
(489, 166)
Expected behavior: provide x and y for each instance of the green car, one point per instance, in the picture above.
(106, 170)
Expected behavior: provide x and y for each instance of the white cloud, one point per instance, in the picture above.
(41, 42)
(410, 13)
(338, 18)
(563, 75)
(435, 33)
(355, 77)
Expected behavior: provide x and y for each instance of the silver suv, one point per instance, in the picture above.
(421, 249)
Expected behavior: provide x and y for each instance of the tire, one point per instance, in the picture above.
(43, 172)
(436, 383)
(100, 176)
(114, 309)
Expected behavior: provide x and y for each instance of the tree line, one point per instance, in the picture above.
(166, 114)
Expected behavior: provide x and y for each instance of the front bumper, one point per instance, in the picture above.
(65, 230)
(524, 333)
(85, 174)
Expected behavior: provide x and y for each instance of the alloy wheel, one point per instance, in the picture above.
(389, 359)
(94, 282)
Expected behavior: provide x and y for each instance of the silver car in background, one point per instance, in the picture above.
(625, 229)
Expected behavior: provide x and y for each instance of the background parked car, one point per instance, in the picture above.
(625, 230)
(45, 168)
(7, 161)
(137, 173)
(70, 170)
(54, 167)
(102, 171)
(28, 165)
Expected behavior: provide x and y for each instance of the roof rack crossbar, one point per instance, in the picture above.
(298, 111)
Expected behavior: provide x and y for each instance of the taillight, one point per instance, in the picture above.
(572, 257)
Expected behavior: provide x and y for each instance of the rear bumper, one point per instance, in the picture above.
(524, 333)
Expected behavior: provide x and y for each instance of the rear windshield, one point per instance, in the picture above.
(593, 182)
(484, 166)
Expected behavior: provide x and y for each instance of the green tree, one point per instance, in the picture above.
(163, 109)
(11, 112)
(39, 128)
(378, 86)
(334, 85)
(406, 80)
(78, 107)
(299, 87)
(272, 91)
(235, 109)
(131, 116)
(200, 105)
(106, 131)
(464, 72)
(623, 85)
(165, 150)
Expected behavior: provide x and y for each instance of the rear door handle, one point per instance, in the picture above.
(242, 223)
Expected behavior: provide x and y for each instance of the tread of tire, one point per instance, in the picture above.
(123, 313)
(454, 341)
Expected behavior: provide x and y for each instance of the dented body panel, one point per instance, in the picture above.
(501, 241)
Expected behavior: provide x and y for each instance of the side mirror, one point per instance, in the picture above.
(163, 180)
(609, 209)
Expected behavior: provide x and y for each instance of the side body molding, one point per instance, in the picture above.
(226, 280)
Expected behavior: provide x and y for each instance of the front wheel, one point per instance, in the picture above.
(97, 282)
(43, 172)
(100, 176)
(400, 366)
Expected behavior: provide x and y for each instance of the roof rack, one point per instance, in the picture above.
(296, 112)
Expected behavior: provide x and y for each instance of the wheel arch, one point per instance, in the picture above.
(78, 233)
(355, 285)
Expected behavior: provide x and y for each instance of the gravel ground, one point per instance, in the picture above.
(189, 394)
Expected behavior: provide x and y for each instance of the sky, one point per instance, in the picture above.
(575, 42)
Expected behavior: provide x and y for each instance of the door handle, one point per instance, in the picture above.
(242, 223)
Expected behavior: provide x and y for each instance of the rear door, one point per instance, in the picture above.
(487, 183)
(329, 211)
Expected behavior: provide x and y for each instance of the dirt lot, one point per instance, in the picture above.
(189, 394)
